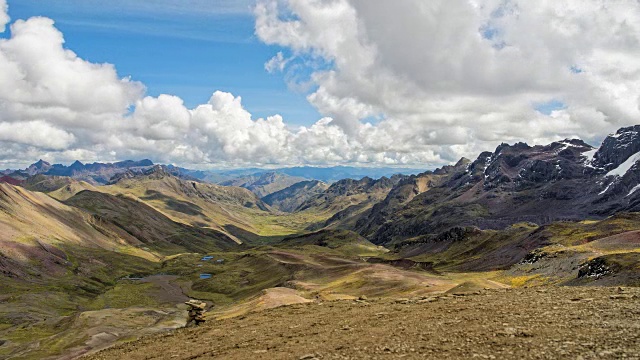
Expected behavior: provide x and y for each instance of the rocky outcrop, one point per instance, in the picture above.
(617, 148)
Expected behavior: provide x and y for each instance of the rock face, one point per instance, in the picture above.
(617, 148)
(595, 268)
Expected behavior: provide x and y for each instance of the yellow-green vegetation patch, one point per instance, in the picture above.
(526, 280)
(125, 295)
(267, 224)
(578, 233)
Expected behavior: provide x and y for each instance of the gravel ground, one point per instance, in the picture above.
(541, 323)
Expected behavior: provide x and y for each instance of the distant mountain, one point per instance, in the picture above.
(324, 174)
(96, 173)
(262, 181)
(214, 176)
(291, 198)
(345, 199)
(39, 167)
(349, 192)
(336, 173)
(263, 184)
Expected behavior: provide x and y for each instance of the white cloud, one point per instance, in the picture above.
(457, 77)
(276, 63)
(36, 133)
(4, 15)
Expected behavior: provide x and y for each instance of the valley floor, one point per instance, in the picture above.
(534, 323)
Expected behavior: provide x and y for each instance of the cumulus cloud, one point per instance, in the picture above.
(57, 106)
(454, 77)
(36, 133)
(410, 82)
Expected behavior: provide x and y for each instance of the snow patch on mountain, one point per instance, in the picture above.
(625, 166)
(589, 157)
(636, 188)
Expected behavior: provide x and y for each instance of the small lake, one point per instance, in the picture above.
(205, 276)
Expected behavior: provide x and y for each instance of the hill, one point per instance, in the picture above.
(55, 260)
(152, 228)
(194, 203)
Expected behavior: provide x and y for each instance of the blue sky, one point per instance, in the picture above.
(189, 50)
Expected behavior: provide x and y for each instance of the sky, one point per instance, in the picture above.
(228, 84)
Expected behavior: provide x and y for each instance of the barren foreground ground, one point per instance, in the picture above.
(549, 323)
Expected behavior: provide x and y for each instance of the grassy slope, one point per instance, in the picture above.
(214, 206)
(55, 259)
(149, 226)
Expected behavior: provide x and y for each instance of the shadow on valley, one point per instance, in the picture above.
(174, 204)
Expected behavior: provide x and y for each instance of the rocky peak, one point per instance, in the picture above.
(77, 165)
(618, 148)
(38, 168)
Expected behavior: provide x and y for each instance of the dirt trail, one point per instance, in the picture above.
(549, 323)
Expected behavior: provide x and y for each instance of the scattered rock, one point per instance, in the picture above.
(622, 296)
(513, 332)
(534, 256)
(595, 268)
(426, 300)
